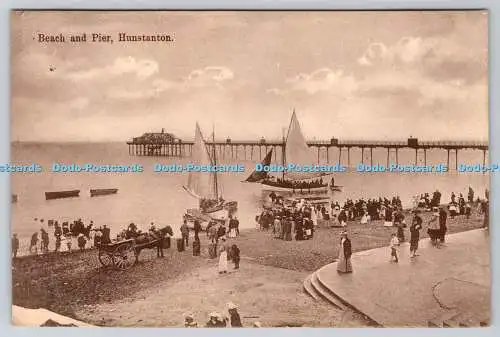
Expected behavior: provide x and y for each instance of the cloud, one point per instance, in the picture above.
(142, 68)
(334, 82)
(208, 76)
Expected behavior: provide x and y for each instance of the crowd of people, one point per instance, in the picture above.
(299, 219)
(293, 184)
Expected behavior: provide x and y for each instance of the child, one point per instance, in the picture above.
(394, 248)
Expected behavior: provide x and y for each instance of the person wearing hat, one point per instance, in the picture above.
(223, 257)
(81, 242)
(232, 309)
(416, 226)
(433, 226)
(216, 321)
(443, 215)
(345, 251)
(189, 321)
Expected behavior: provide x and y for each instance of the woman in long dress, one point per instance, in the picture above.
(344, 264)
(223, 257)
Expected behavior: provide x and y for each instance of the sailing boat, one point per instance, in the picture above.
(258, 176)
(205, 186)
(297, 152)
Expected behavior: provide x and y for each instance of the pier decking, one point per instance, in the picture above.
(180, 148)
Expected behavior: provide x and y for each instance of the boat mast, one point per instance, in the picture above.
(215, 163)
(284, 143)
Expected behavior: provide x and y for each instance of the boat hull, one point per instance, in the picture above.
(322, 189)
(219, 213)
(62, 194)
(106, 191)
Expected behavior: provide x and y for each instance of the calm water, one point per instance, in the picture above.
(159, 197)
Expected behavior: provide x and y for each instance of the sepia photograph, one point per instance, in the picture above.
(256, 169)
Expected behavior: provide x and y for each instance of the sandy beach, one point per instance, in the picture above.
(158, 292)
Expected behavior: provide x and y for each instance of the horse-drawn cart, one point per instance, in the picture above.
(123, 254)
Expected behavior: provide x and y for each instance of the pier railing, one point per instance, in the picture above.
(181, 148)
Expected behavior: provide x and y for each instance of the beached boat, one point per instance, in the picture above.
(205, 186)
(62, 194)
(297, 153)
(103, 191)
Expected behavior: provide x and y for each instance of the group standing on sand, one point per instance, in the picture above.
(217, 320)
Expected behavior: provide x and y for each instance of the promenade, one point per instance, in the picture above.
(447, 286)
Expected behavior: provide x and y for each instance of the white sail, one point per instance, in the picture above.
(298, 153)
(200, 184)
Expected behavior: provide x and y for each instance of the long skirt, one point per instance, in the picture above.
(232, 233)
(223, 262)
(344, 265)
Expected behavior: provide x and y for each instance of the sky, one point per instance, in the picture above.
(349, 75)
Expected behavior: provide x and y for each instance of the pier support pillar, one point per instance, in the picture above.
(416, 157)
(388, 149)
(251, 152)
(371, 156)
(319, 148)
(348, 157)
(397, 160)
(362, 155)
(327, 154)
(456, 159)
(448, 160)
(425, 157)
(340, 155)
(484, 158)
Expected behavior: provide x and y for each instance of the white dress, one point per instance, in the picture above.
(223, 261)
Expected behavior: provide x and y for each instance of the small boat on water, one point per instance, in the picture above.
(62, 194)
(102, 191)
(259, 176)
(14, 198)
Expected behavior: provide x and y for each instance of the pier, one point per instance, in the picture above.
(256, 150)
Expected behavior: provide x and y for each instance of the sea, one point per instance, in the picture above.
(149, 196)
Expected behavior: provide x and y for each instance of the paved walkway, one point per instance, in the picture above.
(453, 280)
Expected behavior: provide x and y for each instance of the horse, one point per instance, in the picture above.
(152, 239)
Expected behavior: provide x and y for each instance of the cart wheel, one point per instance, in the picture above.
(105, 258)
(124, 257)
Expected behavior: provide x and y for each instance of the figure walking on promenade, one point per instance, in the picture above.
(416, 226)
(394, 248)
(345, 251)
